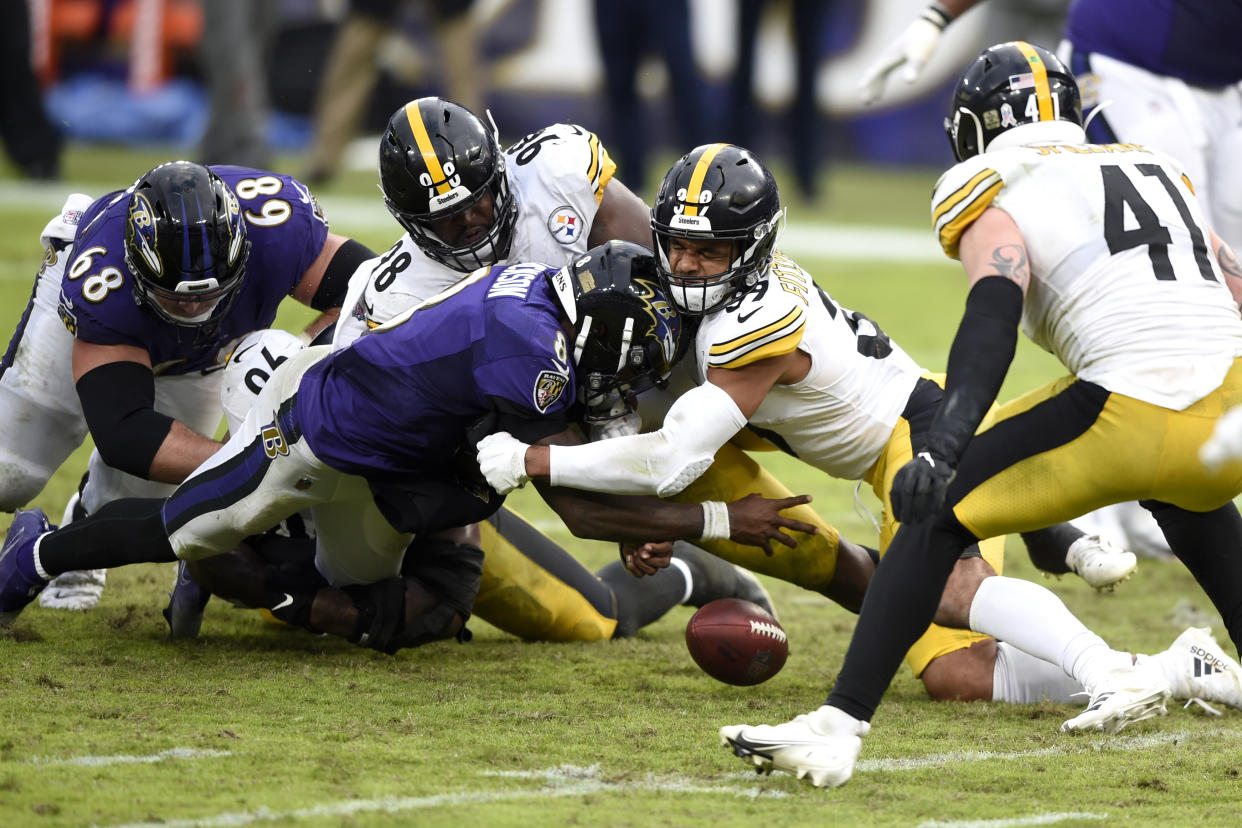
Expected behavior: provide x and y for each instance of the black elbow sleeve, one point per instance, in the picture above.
(978, 361)
(118, 400)
(331, 291)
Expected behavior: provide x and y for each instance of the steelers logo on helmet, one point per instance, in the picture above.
(628, 335)
(716, 196)
(1017, 90)
(443, 178)
(185, 244)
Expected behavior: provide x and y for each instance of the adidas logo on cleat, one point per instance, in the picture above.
(1205, 664)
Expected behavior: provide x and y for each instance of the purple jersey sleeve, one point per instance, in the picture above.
(1198, 41)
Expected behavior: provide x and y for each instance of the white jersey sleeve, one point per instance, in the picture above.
(841, 415)
(1124, 289)
(388, 285)
(558, 176)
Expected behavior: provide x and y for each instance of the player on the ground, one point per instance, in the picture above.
(544, 208)
(1101, 252)
(141, 294)
(376, 440)
(548, 198)
(777, 355)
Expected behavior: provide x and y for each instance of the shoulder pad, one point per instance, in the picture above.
(961, 195)
(767, 320)
(565, 151)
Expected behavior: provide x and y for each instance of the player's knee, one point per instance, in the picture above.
(20, 482)
(962, 675)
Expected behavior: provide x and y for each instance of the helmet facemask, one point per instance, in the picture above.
(437, 161)
(716, 193)
(628, 336)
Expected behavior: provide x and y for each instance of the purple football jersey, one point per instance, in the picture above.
(1198, 41)
(400, 399)
(286, 230)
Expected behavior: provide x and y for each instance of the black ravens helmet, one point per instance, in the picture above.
(628, 334)
(436, 161)
(1009, 85)
(716, 192)
(185, 243)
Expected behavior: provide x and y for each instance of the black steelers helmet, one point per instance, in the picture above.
(185, 241)
(716, 192)
(436, 160)
(1008, 86)
(628, 334)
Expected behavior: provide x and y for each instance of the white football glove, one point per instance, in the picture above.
(1225, 444)
(502, 459)
(912, 51)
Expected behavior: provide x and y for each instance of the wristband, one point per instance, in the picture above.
(937, 15)
(715, 520)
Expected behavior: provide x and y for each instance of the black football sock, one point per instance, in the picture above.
(122, 532)
(711, 577)
(900, 602)
(1210, 545)
(1047, 547)
(641, 601)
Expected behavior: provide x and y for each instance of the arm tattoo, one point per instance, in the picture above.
(1010, 262)
(1229, 262)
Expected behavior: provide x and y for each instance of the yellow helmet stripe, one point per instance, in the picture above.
(423, 142)
(696, 178)
(1040, 72)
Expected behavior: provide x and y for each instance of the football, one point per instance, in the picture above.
(737, 642)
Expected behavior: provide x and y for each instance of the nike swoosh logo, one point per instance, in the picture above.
(237, 355)
(288, 602)
(742, 317)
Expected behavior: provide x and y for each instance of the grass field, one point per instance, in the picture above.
(105, 722)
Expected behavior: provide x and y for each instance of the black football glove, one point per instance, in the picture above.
(920, 486)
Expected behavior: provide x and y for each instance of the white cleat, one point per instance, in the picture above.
(1123, 697)
(1100, 562)
(1197, 668)
(77, 590)
(821, 746)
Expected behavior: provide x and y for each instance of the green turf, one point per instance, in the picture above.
(256, 724)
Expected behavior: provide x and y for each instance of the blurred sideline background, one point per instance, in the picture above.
(138, 74)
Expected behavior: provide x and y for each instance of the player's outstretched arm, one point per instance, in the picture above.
(911, 51)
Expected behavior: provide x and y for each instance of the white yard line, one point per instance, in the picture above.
(1037, 819)
(162, 756)
(570, 780)
(353, 214)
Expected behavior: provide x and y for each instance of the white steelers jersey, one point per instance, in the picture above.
(841, 415)
(557, 176)
(1124, 289)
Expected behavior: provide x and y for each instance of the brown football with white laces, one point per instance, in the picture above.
(737, 642)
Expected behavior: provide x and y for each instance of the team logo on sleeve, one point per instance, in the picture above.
(565, 224)
(273, 441)
(548, 388)
(64, 309)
